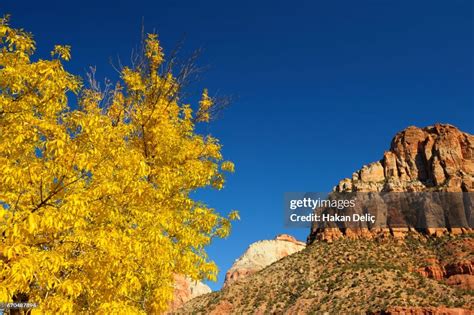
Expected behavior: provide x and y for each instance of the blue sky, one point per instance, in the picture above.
(321, 87)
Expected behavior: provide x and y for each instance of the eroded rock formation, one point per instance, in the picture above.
(438, 158)
(457, 269)
(261, 254)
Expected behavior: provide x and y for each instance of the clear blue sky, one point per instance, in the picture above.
(322, 86)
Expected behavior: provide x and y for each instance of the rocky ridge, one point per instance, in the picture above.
(258, 256)
(261, 254)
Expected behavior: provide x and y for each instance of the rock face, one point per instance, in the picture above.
(438, 158)
(261, 254)
(458, 270)
(186, 289)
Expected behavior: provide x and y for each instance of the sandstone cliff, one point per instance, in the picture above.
(438, 158)
(261, 254)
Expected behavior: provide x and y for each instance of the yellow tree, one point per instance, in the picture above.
(95, 207)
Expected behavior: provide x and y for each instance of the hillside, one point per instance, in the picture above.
(347, 275)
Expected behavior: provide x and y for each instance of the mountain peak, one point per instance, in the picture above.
(439, 157)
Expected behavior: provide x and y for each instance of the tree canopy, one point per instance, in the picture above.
(95, 207)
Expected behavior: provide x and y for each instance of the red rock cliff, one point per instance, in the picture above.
(435, 158)
(439, 157)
